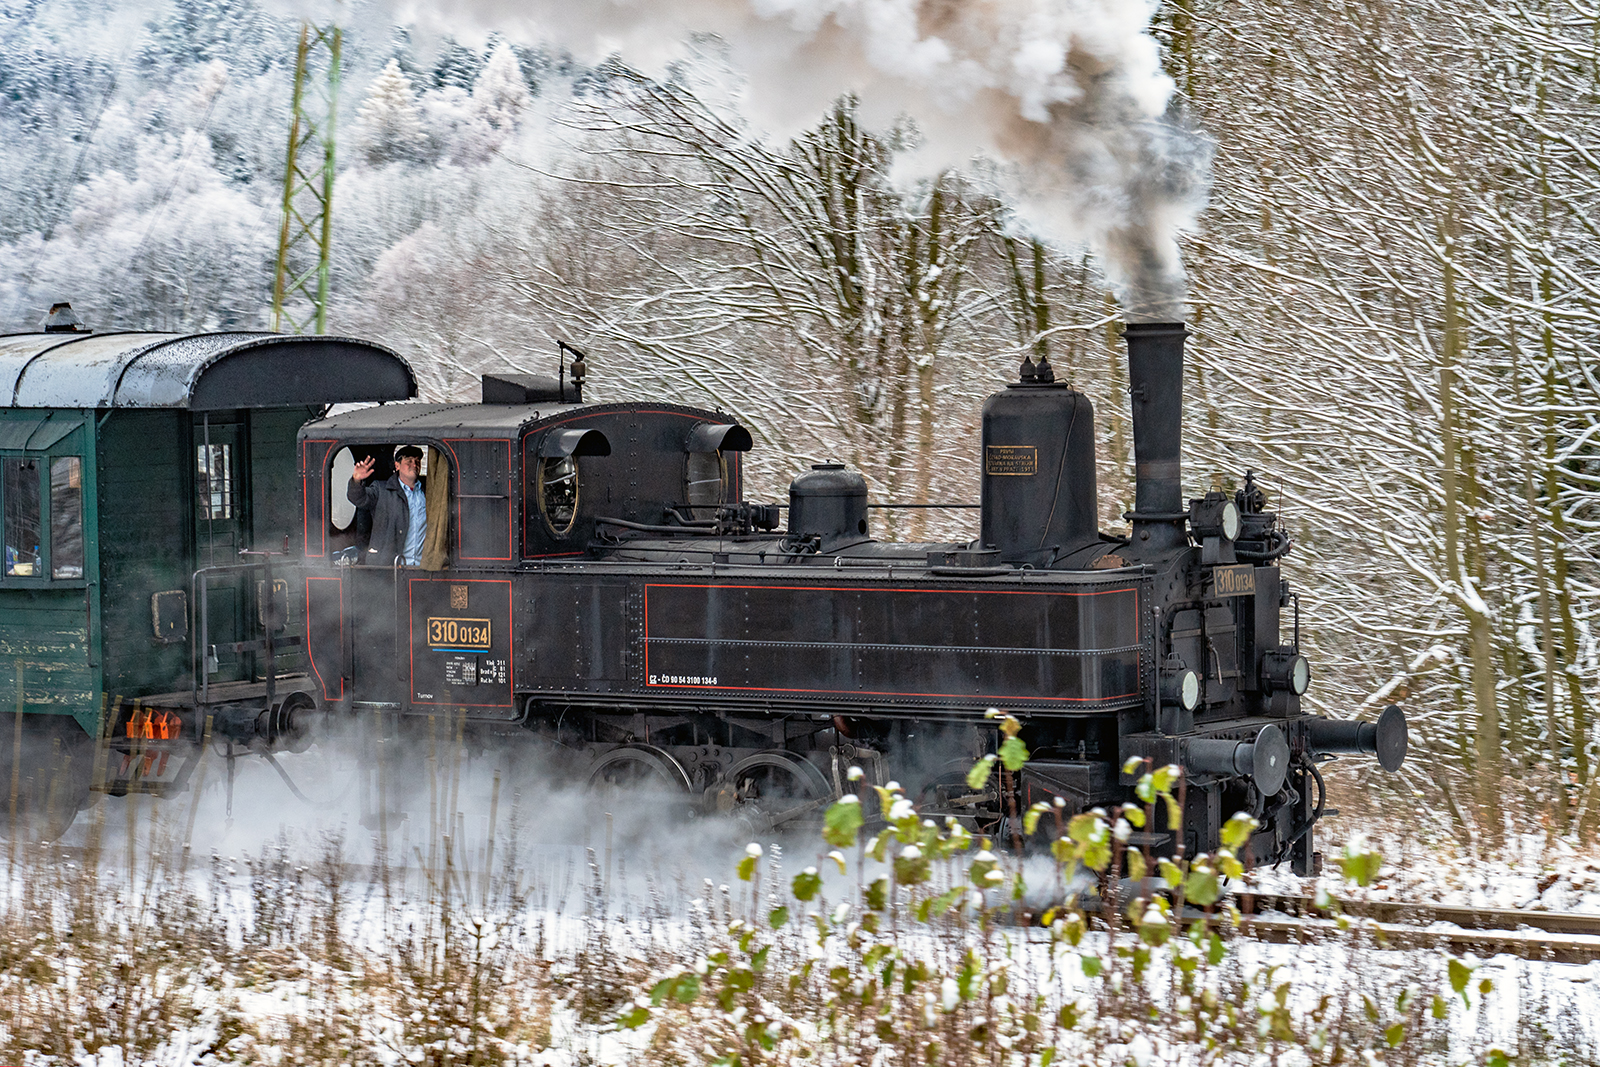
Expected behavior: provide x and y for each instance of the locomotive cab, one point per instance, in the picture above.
(529, 482)
(513, 484)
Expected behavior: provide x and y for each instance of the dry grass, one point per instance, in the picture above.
(903, 948)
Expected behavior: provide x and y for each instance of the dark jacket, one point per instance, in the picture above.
(390, 516)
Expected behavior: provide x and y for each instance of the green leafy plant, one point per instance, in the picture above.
(919, 959)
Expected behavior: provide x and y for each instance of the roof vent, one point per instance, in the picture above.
(521, 389)
(62, 319)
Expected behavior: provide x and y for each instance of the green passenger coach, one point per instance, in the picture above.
(145, 478)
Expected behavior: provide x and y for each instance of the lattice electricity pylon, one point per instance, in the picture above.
(300, 288)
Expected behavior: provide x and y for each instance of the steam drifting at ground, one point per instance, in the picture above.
(1069, 95)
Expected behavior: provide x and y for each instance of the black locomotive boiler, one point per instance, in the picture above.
(602, 585)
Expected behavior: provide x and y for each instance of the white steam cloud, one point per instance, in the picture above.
(1069, 93)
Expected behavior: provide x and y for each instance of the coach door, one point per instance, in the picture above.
(221, 528)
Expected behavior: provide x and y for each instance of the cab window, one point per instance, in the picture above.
(706, 483)
(348, 526)
(350, 522)
(556, 480)
(558, 493)
(66, 517)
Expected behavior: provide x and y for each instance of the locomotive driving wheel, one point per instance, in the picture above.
(945, 792)
(777, 792)
(645, 788)
(640, 770)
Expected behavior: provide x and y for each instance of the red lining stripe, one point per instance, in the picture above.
(310, 655)
(305, 504)
(974, 697)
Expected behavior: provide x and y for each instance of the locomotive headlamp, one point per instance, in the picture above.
(1283, 670)
(1180, 687)
(1214, 516)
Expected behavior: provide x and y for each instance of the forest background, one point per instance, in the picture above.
(1393, 295)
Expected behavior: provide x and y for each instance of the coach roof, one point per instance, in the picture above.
(201, 372)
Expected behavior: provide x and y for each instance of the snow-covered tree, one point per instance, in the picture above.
(1393, 318)
(500, 94)
(390, 122)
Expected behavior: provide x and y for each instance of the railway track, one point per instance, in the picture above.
(1550, 936)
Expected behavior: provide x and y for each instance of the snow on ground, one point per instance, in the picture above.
(1532, 872)
(653, 883)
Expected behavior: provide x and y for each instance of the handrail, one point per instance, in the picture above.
(399, 561)
(268, 610)
(200, 637)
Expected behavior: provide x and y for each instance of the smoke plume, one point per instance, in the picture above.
(1068, 95)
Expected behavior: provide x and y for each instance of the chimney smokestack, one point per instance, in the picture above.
(62, 319)
(1155, 382)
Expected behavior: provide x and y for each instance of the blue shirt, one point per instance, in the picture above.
(417, 501)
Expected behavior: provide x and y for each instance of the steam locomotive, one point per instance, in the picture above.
(592, 580)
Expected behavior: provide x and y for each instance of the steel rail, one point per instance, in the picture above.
(1524, 944)
(1545, 936)
(1419, 912)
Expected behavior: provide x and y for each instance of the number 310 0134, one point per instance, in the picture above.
(474, 634)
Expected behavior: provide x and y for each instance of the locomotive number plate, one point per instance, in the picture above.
(461, 661)
(1011, 459)
(463, 634)
(1234, 581)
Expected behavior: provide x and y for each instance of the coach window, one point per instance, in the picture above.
(213, 464)
(66, 517)
(20, 495)
(42, 501)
